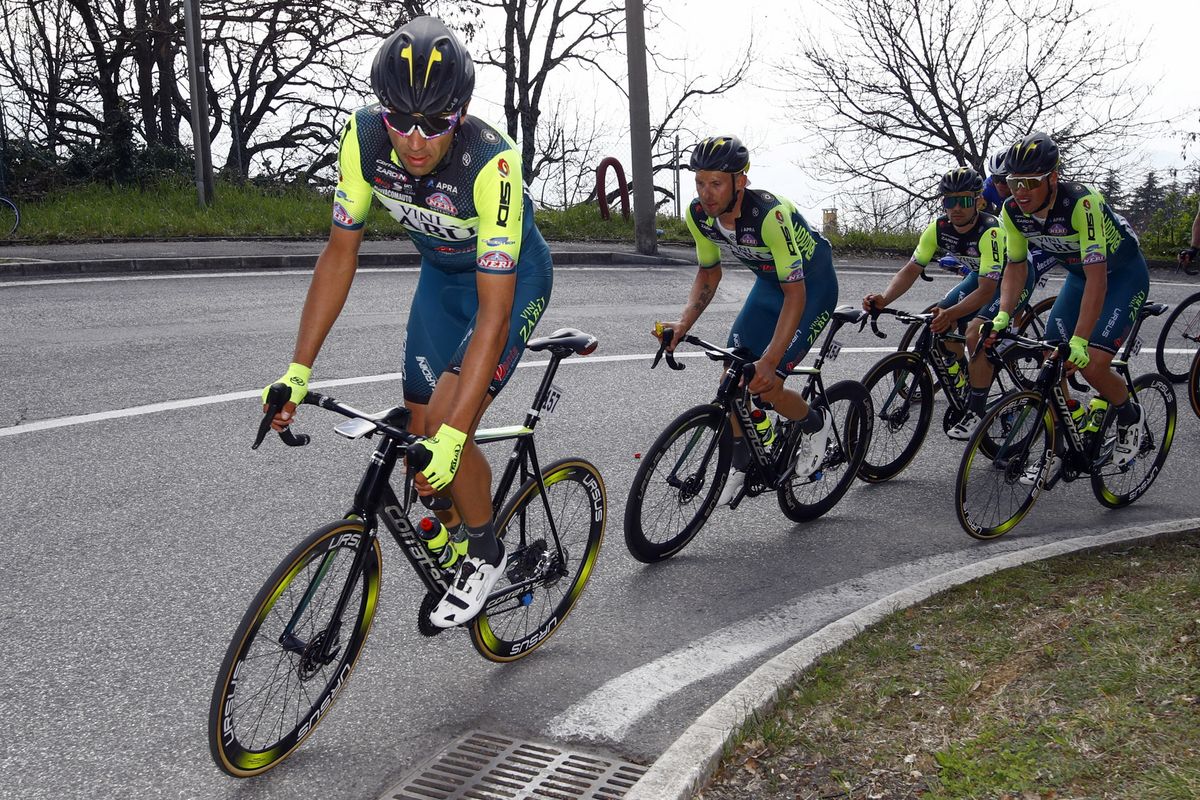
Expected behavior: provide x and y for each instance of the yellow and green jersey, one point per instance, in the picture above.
(1079, 229)
(770, 237)
(981, 248)
(470, 213)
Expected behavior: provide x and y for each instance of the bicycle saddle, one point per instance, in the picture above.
(565, 341)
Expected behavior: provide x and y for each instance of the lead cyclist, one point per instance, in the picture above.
(454, 183)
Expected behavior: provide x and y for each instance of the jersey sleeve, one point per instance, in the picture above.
(1014, 241)
(707, 252)
(500, 203)
(991, 252)
(778, 235)
(1088, 220)
(927, 245)
(352, 197)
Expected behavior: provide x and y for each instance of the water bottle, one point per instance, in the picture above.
(1096, 409)
(445, 550)
(1078, 412)
(762, 424)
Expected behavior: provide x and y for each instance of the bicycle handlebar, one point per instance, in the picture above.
(277, 397)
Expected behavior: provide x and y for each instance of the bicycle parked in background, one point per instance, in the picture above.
(681, 476)
(301, 636)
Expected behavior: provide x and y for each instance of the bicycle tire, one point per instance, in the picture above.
(235, 738)
(1194, 384)
(512, 628)
(1031, 322)
(804, 499)
(1181, 330)
(889, 384)
(10, 218)
(1117, 488)
(683, 508)
(1022, 441)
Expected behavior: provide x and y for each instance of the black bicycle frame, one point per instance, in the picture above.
(375, 499)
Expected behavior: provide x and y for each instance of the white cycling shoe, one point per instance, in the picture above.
(733, 485)
(1030, 476)
(469, 591)
(812, 447)
(1129, 440)
(965, 427)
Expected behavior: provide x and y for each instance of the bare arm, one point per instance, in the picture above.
(901, 282)
(1094, 288)
(795, 295)
(704, 289)
(485, 349)
(327, 293)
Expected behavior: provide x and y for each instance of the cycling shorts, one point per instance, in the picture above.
(443, 314)
(1127, 291)
(993, 308)
(755, 324)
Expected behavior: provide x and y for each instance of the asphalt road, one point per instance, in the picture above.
(134, 543)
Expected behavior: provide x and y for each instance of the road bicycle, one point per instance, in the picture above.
(903, 386)
(10, 218)
(1030, 320)
(680, 478)
(302, 634)
(1039, 442)
(1179, 340)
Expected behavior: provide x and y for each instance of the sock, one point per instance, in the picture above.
(1127, 412)
(812, 422)
(741, 453)
(482, 543)
(977, 400)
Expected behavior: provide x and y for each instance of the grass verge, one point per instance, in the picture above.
(1077, 677)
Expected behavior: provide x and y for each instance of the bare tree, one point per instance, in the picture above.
(916, 86)
(540, 37)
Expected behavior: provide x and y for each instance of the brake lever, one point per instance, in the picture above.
(985, 331)
(665, 337)
(277, 397)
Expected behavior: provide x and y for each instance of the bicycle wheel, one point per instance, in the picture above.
(677, 484)
(802, 499)
(274, 687)
(1177, 343)
(10, 218)
(1194, 384)
(1116, 487)
(548, 564)
(990, 494)
(901, 393)
(1032, 320)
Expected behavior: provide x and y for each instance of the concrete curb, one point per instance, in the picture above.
(36, 268)
(687, 765)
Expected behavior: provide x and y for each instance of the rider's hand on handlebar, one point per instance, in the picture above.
(941, 321)
(677, 329)
(296, 379)
(445, 449)
(764, 379)
(871, 302)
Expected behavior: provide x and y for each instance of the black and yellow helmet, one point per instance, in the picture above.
(1036, 154)
(720, 154)
(960, 179)
(423, 69)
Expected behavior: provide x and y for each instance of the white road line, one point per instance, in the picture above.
(175, 405)
(610, 711)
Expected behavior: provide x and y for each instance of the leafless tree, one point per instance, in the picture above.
(913, 87)
(541, 37)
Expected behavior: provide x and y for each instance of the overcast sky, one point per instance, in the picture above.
(713, 33)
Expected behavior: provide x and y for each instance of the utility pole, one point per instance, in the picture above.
(199, 82)
(639, 125)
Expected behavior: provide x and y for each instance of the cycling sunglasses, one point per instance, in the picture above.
(430, 127)
(958, 202)
(1026, 183)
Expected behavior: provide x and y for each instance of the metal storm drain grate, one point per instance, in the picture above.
(485, 766)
